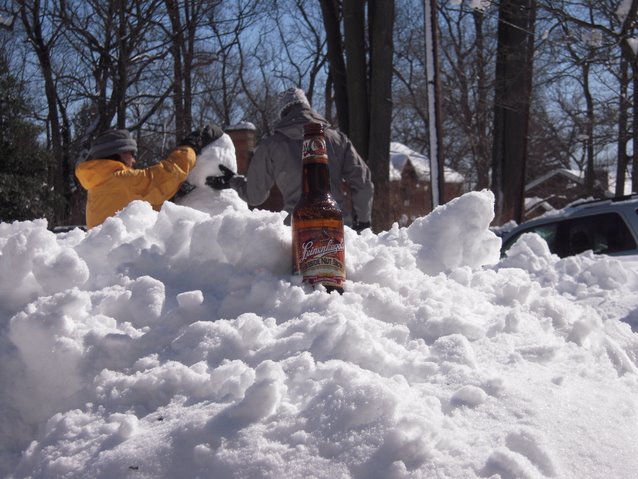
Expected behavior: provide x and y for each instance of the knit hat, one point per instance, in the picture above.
(290, 97)
(112, 142)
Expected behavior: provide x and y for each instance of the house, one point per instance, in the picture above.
(560, 187)
(410, 193)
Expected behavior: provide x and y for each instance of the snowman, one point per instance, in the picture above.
(202, 197)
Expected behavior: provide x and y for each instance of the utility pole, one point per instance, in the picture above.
(437, 175)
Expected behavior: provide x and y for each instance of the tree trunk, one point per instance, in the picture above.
(630, 57)
(353, 22)
(336, 61)
(589, 132)
(381, 55)
(369, 88)
(177, 40)
(511, 111)
(634, 162)
(121, 80)
(58, 169)
(623, 134)
(188, 60)
(182, 47)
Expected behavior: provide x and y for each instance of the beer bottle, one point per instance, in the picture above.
(317, 223)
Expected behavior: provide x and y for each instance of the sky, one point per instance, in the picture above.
(177, 344)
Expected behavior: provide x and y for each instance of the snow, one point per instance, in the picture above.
(177, 344)
(242, 125)
(400, 154)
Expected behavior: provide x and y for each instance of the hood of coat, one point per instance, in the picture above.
(93, 173)
(292, 124)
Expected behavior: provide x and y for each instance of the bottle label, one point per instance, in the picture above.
(314, 150)
(320, 252)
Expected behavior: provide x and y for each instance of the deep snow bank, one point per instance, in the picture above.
(176, 344)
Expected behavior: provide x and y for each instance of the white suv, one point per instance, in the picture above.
(606, 226)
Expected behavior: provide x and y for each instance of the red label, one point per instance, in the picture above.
(314, 150)
(320, 255)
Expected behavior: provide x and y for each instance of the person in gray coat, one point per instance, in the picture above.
(277, 159)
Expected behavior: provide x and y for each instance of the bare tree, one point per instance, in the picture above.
(158, 67)
(584, 62)
(593, 33)
(186, 34)
(381, 57)
(117, 43)
(623, 131)
(626, 32)
(43, 34)
(512, 105)
(354, 16)
(229, 84)
(468, 51)
(368, 49)
(332, 19)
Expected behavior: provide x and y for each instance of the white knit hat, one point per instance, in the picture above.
(290, 97)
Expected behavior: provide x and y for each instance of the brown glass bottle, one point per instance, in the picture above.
(318, 249)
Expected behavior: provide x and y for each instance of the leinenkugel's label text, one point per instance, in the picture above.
(321, 255)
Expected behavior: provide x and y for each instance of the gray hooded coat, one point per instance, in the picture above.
(277, 159)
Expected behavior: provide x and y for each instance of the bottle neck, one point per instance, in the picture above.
(316, 173)
(316, 179)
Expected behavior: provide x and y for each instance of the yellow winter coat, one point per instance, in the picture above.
(112, 185)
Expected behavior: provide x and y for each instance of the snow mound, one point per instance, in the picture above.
(177, 344)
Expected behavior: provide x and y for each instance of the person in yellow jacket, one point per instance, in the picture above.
(112, 182)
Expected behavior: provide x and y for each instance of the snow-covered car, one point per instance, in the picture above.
(605, 226)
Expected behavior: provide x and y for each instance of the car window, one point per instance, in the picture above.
(547, 231)
(603, 233)
(579, 236)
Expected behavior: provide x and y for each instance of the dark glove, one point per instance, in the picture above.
(184, 189)
(201, 138)
(359, 226)
(228, 180)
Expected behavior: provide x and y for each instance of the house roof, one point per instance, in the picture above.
(536, 203)
(400, 155)
(242, 125)
(573, 175)
(579, 177)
